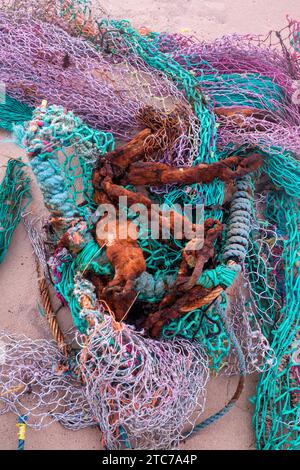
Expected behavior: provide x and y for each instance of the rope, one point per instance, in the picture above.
(239, 222)
(14, 198)
(51, 130)
(234, 252)
(253, 84)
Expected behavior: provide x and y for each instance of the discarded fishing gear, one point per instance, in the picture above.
(181, 122)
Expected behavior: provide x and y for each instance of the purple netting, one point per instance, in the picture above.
(108, 93)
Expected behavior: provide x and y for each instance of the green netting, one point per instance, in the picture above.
(276, 417)
(88, 259)
(64, 166)
(250, 89)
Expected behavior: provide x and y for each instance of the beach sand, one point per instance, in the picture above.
(18, 280)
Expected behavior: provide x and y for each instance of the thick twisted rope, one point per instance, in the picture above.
(43, 278)
(14, 197)
(236, 247)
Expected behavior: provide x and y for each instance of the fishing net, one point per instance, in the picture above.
(276, 418)
(258, 354)
(34, 383)
(88, 77)
(115, 96)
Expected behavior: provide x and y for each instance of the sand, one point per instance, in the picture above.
(18, 281)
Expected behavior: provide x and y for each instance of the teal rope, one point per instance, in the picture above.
(51, 131)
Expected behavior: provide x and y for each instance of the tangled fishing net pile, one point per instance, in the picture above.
(107, 115)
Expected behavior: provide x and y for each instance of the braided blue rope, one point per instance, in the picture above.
(45, 164)
(239, 222)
